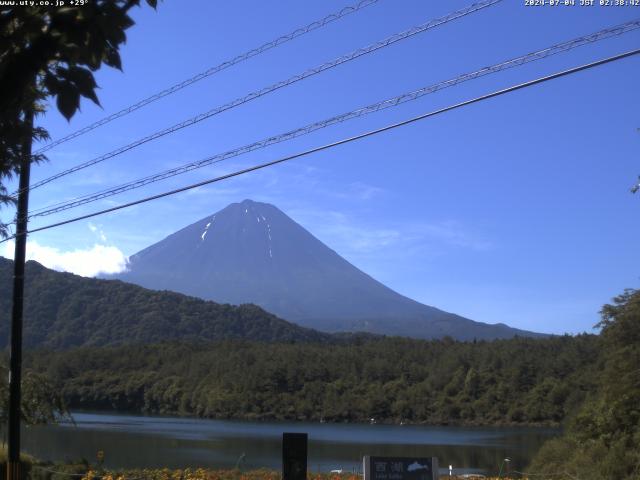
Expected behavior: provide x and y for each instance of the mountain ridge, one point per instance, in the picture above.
(63, 310)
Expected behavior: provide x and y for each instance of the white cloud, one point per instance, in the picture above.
(356, 191)
(351, 237)
(98, 231)
(452, 233)
(86, 262)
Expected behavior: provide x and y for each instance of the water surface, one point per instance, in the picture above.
(143, 441)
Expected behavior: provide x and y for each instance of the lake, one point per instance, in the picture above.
(145, 441)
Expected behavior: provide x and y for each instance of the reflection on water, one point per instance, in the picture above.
(136, 441)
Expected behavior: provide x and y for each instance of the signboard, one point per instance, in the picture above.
(400, 468)
(294, 456)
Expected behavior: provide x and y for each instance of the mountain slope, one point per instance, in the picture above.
(253, 252)
(64, 310)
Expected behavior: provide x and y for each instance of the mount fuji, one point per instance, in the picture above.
(252, 252)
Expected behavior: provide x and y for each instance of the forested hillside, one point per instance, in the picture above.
(63, 310)
(519, 381)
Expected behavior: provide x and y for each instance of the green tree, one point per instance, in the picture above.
(603, 440)
(41, 402)
(52, 52)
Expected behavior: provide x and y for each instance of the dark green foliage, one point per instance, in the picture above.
(603, 439)
(64, 310)
(51, 51)
(41, 401)
(60, 47)
(519, 381)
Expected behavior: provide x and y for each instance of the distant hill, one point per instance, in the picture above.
(63, 310)
(252, 252)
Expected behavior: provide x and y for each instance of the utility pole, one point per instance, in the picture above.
(14, 468)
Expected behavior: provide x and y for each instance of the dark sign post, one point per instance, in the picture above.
(294, 456)
(400, 468)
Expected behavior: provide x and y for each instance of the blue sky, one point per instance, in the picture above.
(516, 210)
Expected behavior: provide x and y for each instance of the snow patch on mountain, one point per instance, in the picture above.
(206, 228)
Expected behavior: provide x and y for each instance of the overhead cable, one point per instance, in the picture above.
(339, 142)
(276, 86)
(212, 71)
(390, 102)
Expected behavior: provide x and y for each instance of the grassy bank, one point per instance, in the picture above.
(38, 470)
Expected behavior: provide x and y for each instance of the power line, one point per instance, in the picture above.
(340, 142)
(276, 86)
(213, 70)
(259, 93)
(391, 102)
